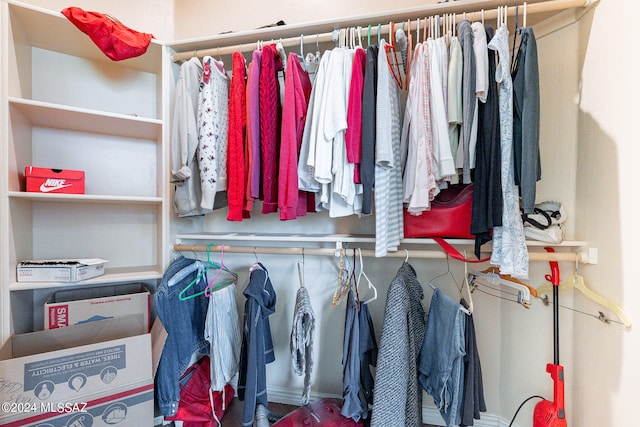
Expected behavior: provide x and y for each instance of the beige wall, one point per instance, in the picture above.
(590, 147)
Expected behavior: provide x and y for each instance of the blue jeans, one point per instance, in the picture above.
(442, 357)
(184, 323)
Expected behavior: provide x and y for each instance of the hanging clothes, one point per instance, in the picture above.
(297, 91)
(213, 128)
(253, 130)
(486, 212)
(509, 246)
(369, 96)
(236, 139)
(222, 331)
(454, 97)
(388, 170)
(353, 136)
(184, 140)
(526, 119)
(442, 356)
(443, 165)
(360, 351)
(312, 156)
(270, 122)
(469, 101)
(416, 143)
(345, 195)
(257, 344)
(301, 344)
(184, 322)
(473, 399)
(397, 397)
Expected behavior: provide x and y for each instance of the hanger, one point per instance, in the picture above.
(369, 35)
(576, 281)
(222, 268)
(390, 50)
(342, 286)
(466, 285)
(379, 33)
(210, 264)
(524, 291)
(449, 273)
(301, 270)
(369, 283)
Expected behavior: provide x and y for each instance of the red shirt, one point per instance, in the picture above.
(353, 136)
(236, 139)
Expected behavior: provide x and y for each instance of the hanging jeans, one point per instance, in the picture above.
(184, 323)
(442, 357)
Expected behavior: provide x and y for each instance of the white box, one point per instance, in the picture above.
(60, 270)
(85, 375)
(75, 306)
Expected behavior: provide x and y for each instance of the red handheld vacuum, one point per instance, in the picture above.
(546, 413)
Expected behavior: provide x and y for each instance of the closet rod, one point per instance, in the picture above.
(228, 45)
(420, 254)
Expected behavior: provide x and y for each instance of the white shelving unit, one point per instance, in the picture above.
(66, 105)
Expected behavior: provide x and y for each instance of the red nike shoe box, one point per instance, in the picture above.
(45, 180)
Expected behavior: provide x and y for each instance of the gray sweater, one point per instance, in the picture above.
(526, 119)
(397, 397)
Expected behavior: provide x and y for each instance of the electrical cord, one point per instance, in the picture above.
(521, 405)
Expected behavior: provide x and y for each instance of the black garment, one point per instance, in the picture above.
(487, 189)
(367, 165)
(526, 119)
(473, 398)
(368, 351)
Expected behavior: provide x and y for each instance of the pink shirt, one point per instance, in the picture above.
(297, 90)
(353, 135)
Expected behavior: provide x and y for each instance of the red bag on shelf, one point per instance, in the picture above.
(112, 37)
(449, 217)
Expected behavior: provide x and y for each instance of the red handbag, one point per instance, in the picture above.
(449, 217)
(112, 37)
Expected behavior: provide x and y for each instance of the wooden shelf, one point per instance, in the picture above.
(111, 276)
(84, 198)
(45, 114)
(52, 31)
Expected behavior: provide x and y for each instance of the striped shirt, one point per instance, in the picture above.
(388, 173)
(222, 330)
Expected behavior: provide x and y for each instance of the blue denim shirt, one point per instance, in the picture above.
(184, 322)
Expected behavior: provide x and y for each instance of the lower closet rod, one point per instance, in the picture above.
(420, 254)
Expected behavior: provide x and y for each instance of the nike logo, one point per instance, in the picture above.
(53, 185)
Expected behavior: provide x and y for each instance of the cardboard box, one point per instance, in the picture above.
(75, 306)
(45, 180)
(60, 270)
(94, 374)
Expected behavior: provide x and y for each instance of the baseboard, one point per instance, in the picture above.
(430, 415)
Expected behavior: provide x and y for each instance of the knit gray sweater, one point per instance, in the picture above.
(397, 397)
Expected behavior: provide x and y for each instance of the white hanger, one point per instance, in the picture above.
(524, 293)
(363, 274)
(465, 285)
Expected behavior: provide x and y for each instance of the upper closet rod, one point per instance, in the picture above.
(421, 254)
(228, 45)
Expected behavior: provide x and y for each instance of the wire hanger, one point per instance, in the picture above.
(465, 285)
(301, 270)
(490, 276)
(576, 281)
(369, 283)
(449, 273)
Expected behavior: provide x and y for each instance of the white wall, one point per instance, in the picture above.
(589, 148)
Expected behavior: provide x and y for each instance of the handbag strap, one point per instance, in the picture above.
(453, 252)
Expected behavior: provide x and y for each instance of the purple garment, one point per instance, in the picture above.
(253, 110)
